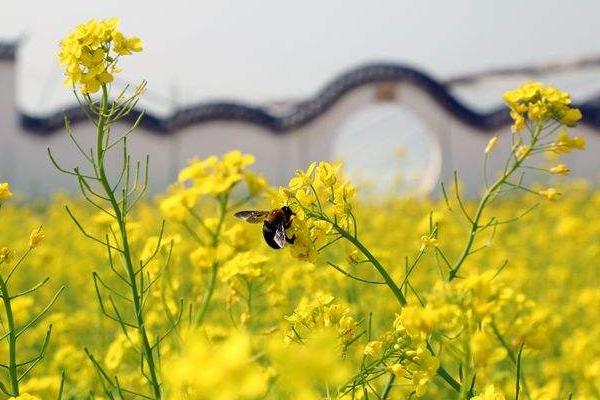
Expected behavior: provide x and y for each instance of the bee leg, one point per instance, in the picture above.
(290, 240)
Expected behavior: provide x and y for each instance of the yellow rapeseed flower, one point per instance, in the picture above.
(373, 348)
(427, 241)
(564, 143)
(560, 169)
(214, 176)
(485, 350)
(423, 367)
(230, 361)
(318, 196)
(5, 255)
(24, 396)
(303, 179)
(5, 192)
(90, 52)
(397, 369)
(36, 237)
(256, 183)
(571, 117)
(490, 393)
(327, 173)
(125, 46)
(539, 103)
(550, 193)
(522, 151)
(203, 257)
(491, 144)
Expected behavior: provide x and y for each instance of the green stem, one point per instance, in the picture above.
(511, 355)
(380, 268)
(449, 379)
(120, 217)
(11, 338)
(468, 369)
(487, 196)
(394, 288)
(388, 387)
(209, 293)
(445, 375)
(215, 266)
(249, 300)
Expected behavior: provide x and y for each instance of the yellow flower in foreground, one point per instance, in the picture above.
(5, 192)
(36, 238)
(230, 359)
(491, 144)
(490, 393)
(550, 193)
(25, 396)
(304, 368)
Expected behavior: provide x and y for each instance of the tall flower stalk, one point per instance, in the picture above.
(539, 112)
(90, 54)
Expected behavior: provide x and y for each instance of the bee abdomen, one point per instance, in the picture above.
(269, 235)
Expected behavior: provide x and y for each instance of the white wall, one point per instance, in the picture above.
(24, 162)
(8, 120)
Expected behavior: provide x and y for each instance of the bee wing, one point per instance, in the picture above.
(280, 235)
(254, 217)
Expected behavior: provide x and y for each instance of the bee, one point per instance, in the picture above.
(275, 222)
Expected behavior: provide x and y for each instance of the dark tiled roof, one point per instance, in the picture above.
(310, 109)
(8, 51)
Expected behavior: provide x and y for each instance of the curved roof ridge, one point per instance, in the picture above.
(8, 51)
(311, 108)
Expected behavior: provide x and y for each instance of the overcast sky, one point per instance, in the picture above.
(260, 51)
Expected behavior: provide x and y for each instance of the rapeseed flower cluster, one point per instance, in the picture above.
(90, 53)
(5, 192)
(322, 199)
(215, 177)
(414, 362)
(211, 177)
(321, 312)
(539, 103)
(543, 110)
